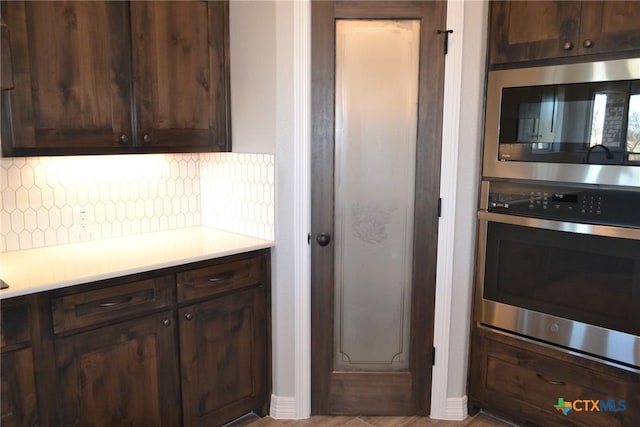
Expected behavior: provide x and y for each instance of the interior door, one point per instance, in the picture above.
(377, 76)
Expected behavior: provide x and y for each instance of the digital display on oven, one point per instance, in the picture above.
(566, 198)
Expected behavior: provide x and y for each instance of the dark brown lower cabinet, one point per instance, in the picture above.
(125, 374)
(18, 397)
(18, 392)
(524, 381)
(182, 346)
(223, 358)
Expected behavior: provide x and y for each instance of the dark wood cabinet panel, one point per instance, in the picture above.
(539, 30)
(529, 30)
(609, 26)
(18, 397)
(522, 380)
(123, 374)
(18, 389)
(224, 358)
(71, 76)
(99, 77)
(180, 80)
(15, 323)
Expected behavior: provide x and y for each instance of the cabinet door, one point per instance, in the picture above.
(181, 73)
(71, 77)
(18, 389)
(530, 30)
(122, 374)
(609, 26)
(223, 358)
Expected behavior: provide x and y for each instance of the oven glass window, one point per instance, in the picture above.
(591, 279)
(593, 123)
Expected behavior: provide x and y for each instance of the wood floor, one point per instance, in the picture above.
(480, 420)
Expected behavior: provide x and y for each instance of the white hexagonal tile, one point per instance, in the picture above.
(22, 199)
(30, 220)
(37, 238)
(8, 199)
(46, 193)
(35, 198)
(17, 221)
(55, 218)
(14, 179)
(66, 216)
(26, 176)
(43, 218)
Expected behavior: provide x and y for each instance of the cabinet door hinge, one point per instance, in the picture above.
(433, 357)
(439, 207)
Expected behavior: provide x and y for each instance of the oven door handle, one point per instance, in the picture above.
(570, 227)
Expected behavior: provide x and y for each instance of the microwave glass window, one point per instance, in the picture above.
(596, 123)
(633, 127)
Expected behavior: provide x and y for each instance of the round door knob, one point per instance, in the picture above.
(166, 322)
(323, 238)
(146, 138)
(123, 139)
(587, 43)
(188, 316)
(567, 46)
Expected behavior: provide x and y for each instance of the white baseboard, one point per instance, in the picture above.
(455, 409)
(283, 407)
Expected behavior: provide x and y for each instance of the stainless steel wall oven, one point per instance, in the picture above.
(562, 265)
(559, 218)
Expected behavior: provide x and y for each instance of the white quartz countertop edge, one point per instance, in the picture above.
(43, 269)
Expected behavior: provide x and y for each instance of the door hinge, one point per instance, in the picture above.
(446, 39)
(439, 207)
(308, 238)
(433, 357)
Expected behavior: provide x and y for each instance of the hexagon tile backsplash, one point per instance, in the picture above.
(48, 201)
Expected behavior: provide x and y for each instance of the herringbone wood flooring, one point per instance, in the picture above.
(480, 420)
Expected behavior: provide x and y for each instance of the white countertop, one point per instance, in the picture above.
(54, 267)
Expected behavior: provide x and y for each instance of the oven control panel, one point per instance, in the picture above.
(590, 205)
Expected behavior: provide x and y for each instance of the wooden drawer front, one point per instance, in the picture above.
(15, 325)
(112, 303)
(539, 381)
(218, 278)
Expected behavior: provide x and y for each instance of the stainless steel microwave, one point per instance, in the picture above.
(576, 123)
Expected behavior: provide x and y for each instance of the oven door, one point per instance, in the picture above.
(575, 285)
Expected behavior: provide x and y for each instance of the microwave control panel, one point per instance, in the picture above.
(595, 206)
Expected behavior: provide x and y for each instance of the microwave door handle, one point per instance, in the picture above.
(571, 227)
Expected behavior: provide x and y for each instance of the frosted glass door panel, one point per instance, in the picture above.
(377, 66)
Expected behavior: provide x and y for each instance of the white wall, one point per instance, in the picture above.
(253, 76)
(261, 38)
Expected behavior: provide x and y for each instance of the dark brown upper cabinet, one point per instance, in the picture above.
(537, 30)
(102, 77)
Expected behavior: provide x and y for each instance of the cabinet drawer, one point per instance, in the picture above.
(218, 278)
(517, 380)
(15, 325)
(115, 302)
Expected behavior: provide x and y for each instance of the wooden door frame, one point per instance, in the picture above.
(325, 398)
